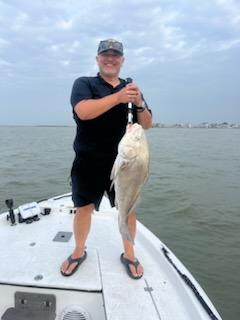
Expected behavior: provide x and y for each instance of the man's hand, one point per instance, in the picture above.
(130, 93)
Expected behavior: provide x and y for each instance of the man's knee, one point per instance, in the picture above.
(85, 210)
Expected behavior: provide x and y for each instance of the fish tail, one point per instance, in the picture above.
(124, 231)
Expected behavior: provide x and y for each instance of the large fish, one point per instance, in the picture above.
(129, 173)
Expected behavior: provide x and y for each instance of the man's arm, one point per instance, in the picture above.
(91, 108)
(88, 109)
(145, 118)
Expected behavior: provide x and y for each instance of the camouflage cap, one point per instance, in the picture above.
(110, 44)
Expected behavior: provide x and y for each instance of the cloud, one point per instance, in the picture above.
(19, 21)
(152, 31)
(228, 44)
(231, 9)
(65, 24)
(4, 63)
(52, 42)
(4, 43)
(74, 46)
(65, 63)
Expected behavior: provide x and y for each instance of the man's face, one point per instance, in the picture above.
(109, 63)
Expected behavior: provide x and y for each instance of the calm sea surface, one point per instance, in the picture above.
(191, 201)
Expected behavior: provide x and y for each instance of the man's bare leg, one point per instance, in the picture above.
(81, 228)
(128, 246)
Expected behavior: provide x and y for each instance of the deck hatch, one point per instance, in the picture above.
(62, 236)
(34, 306)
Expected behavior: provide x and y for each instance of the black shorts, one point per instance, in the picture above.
(90, 178)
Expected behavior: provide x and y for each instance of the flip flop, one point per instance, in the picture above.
(126, 262)
(71, 261)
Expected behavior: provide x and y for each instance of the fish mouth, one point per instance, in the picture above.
(133, 127)
(136, 131)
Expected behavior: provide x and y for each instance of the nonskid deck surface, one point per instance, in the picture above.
(34, 259)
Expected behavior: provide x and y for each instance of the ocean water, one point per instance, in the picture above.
(191, 200)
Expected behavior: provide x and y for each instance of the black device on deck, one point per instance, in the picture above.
(11, 216)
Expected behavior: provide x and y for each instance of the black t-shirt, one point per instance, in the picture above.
(101, 135)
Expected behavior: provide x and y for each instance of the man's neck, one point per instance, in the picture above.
(114, 81)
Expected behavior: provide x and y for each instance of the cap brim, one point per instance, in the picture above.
(119, 52)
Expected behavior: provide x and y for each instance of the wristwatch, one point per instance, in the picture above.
(142, 107)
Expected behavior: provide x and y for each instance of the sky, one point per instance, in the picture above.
(184, 56)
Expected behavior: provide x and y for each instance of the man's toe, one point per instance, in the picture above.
(139, 270)
(64, 266)
(133, 270)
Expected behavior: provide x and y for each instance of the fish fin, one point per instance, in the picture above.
(113, 174)
(122, 164)
(111, 186)
(124, 231)
(117, 167)
(136, 202)
(126, 236)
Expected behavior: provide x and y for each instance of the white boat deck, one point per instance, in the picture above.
(30, 258)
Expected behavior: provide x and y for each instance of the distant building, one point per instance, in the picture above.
(213, 125)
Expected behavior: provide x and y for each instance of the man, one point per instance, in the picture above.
(100, 111)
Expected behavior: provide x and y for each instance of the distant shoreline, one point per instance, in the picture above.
(203, 125)
(37, 125)
(157, 125)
